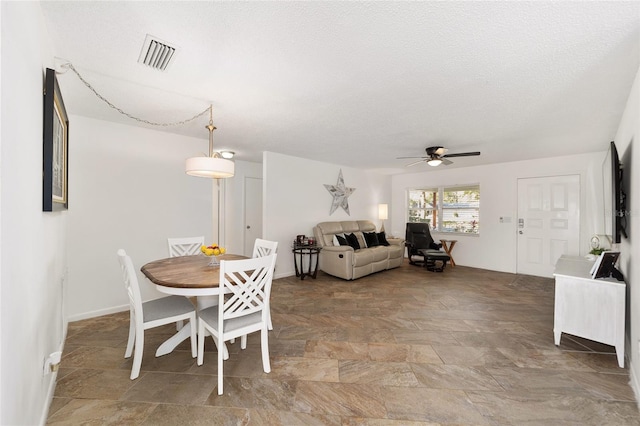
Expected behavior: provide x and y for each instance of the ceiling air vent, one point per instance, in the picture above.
(156, 53)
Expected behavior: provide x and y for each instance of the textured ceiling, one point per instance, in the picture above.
(361, 83)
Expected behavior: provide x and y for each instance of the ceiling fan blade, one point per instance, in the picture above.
(446, 162)
(414, 163)
(462, 154)
(404, 158)
(441, 151)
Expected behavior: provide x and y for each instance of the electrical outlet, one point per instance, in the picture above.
(52, 362)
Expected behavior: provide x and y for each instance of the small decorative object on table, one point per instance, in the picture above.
(303, 241)
(213, 251)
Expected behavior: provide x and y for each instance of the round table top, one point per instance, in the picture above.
(186, 271)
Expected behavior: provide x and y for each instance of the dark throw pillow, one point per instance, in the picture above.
(342, 240)
(382, 239)
(353, 240)
(371, 238)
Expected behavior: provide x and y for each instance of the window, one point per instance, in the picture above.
(447, 209)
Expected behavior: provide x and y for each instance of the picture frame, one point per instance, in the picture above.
(604, 265)
(55, 147)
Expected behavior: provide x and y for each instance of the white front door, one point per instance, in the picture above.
(252, 213)
(548, 222)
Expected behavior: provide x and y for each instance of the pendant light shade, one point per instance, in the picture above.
(210, 167)
(213, 166)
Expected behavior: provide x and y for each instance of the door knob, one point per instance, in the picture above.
(520, 232)
(248, 227)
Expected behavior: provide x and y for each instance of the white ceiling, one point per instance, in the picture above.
(361, 83)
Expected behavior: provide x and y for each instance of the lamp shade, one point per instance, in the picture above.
(210, 167)
(434, 162)
(383, 211)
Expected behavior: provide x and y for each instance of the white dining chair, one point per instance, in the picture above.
(151, 314)
(243, 306)
(264, 248)
(184, 246)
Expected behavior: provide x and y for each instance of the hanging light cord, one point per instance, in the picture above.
(177, 123)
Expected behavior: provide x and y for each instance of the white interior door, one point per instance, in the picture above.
(548, 222)
(252, 213)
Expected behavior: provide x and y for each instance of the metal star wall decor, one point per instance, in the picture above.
(340, 195)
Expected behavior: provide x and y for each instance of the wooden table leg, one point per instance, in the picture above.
(448, 248)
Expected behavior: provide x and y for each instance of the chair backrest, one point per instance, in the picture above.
(264, 247)
(131, 283)
(184, 246)
(418, 236)
(245, 287)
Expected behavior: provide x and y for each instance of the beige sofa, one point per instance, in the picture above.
(345, 262)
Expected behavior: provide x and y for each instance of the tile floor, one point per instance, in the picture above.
(401, 347)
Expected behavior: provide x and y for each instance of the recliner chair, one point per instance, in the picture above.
(419, 243)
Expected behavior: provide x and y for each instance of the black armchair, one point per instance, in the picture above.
(419, 243)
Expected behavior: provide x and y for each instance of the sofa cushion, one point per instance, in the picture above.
(362, 258)
(371, 238)
(349, 226)
(382, 239)
(352, 240)
(395, 251)
(379, 253)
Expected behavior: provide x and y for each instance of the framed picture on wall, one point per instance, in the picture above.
(55, 148)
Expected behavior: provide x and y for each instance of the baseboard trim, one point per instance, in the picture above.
(98, 313)
(52, 383)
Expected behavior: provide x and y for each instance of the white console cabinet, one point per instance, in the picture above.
(584, 307)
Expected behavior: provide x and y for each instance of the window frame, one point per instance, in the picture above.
(438, 211)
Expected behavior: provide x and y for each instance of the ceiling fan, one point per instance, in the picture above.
(436, 155)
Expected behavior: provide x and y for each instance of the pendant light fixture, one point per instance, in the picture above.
(213, 166)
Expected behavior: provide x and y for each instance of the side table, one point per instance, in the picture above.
(587, 307)
(310, 252)
(447, 245)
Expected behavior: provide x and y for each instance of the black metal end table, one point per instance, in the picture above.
(300, 251)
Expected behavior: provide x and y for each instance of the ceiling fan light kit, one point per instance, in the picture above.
(436, 155)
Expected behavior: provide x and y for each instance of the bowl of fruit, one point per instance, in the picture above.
(213, 251)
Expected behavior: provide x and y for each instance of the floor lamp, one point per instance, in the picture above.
(383, 214)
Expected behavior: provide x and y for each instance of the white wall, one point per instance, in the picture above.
(33, 243)
(495, 247)
(127, 189)
(628, 132)
(295, 200)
